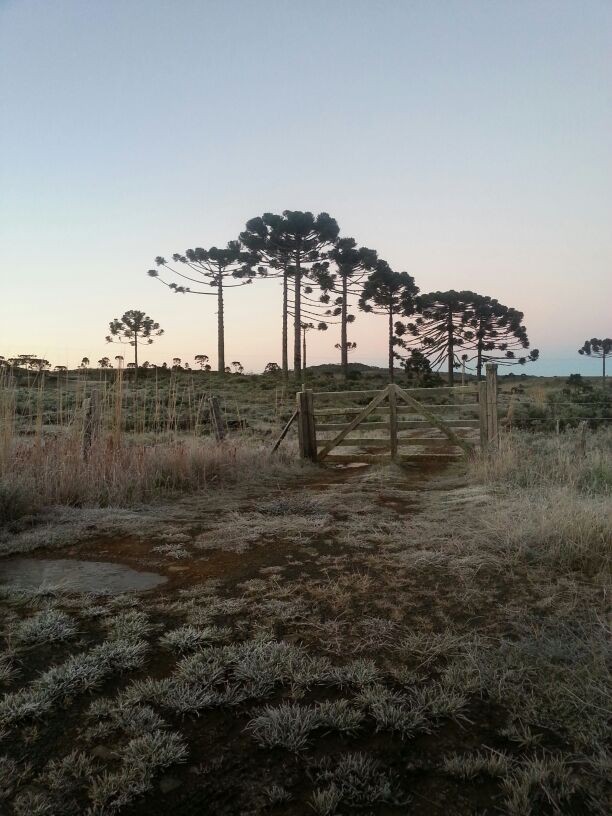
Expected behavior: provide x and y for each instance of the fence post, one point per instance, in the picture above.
(582, 432)
(306, 425)
(90, 422)
(492, 436)
(216, 419)
(393, 421)
(482, 410)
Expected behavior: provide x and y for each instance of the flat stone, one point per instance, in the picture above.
(168, 784)
(102, 752)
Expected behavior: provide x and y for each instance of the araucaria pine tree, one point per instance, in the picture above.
(349, 265)
(135, 327)
(439, 327)
(391, 294)
(221, 269)
(496, 334)
(288, 246)
(598, 348)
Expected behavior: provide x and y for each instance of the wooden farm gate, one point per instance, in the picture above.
(397, 423)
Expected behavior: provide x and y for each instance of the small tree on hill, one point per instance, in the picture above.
(598, 348)
(38, 364)
(104, 362)
(221, 268)
(201, 360)
(349, 265)
(577, 383)
(417, 366)
(391, 294)
(288, 246)
(135, 327)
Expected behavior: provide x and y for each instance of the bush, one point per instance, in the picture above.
(16, 501)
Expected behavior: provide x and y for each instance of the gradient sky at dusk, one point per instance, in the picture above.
(468, 142)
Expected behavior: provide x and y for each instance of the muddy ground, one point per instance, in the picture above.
(350, 642)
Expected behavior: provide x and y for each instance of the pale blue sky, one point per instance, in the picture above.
(468, 142)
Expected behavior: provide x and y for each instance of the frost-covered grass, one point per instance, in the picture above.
(355, 780)
(79, 674)
(45, 626)
(190, 638)
(140, 760)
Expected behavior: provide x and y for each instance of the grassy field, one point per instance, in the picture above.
(427, 639)
(153, 437)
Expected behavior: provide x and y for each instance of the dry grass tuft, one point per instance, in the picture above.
(55, 472)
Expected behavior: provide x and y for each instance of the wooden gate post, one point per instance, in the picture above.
(492, 436)
(393, 421)
(482, 411)
(306, 425)
(91, 419)
(217, 421)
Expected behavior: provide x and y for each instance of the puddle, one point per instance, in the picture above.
(97, 577)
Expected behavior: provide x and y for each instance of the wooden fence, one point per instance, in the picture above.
(396, 423)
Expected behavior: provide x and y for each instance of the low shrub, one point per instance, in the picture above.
(17, 500)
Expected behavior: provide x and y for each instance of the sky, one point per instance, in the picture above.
(467, 142)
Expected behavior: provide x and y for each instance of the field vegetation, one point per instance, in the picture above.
(423, 639)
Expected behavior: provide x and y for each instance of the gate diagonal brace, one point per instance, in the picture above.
(433, 420)
(372, 406)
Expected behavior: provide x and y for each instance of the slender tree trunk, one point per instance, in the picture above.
(479, 360)
(391, 366)
(451, 348)
(297, 319)
(285, 361)
(135, 357)
(343, 331)
(220, 327)
(603, 375)
(304, 354)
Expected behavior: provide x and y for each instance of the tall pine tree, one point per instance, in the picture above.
(439, 326)
(392, 294)
(496, 334)
(288, 246)
(349, 265)
(596, 347)
(220, 268)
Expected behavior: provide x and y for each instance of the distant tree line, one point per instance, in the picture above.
(323, 276)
